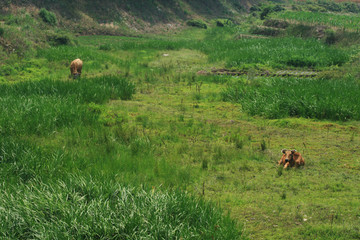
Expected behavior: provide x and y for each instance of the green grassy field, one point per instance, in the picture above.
(141, 132)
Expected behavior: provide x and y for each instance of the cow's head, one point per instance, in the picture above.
(76, 75)
(288, 154)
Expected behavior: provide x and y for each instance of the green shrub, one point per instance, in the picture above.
(255, 8)
(197, 23)
(105, 47)
(7, 70)
(315, 8)
(330, 37)
(351, 7)
(330, 5)
(269, 9)
(1, 31)
(266, 11)
(223, 22)
(58, 39)
(301, 30)
(48, 17)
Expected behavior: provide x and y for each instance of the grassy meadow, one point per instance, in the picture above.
(142, 133)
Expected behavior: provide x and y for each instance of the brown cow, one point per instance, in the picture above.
(291, 158)
(75, 68)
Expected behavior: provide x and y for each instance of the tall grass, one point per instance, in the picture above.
(45, 106)
(309, 98)
(66, 53)
(274, 52)
(85, 90)
(22, 161)
(347, 21)
(41, 115)
(83, 208)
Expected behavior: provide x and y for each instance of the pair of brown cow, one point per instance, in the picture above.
(291, 158)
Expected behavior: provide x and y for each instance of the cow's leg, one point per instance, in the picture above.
(286, 164)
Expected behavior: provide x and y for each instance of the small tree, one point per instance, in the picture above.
(48, 17)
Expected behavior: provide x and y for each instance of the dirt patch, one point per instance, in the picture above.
(280, 73)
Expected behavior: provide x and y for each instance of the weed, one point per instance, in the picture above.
(204, 163)
(197, 23)
(263, 145)
(58, 39)
(280, 171)
(105, 47)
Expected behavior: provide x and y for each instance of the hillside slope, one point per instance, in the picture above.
(149, 11)
(22, 27)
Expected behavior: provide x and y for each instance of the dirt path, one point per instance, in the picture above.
(280, 73)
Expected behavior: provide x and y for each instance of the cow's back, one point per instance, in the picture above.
(76, 67)
(298, 158)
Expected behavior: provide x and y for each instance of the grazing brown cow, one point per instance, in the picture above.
(75, 68)
(291, 158)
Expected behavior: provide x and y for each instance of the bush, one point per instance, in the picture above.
(301, 30)
(330, 5)
(266, 31)
(48, 17)
(330, 37)
(351, 7)
(315, 8)
(255, 8)
(223, 22)
(265, 12)
(58, 39)
(197, 23)
(105, 47)
(1, 31)
(278, 8)
(300, 61)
